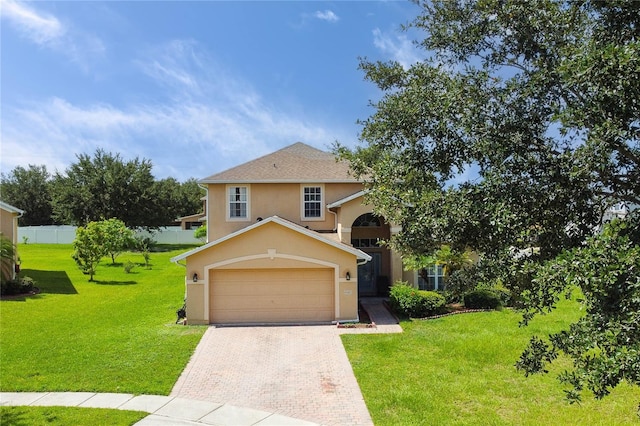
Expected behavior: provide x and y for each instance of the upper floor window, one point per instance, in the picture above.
(238, 202)
(312, 202)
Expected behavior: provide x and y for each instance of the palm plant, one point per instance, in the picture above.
(7, 258)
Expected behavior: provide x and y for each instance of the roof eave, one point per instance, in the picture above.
(351, 197)
(341, 246)
(244, 181)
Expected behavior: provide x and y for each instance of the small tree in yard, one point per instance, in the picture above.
(117, 237)
(201, 233)
(89, 247)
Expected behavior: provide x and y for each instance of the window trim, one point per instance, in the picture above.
(439, 278)
(302, 203)
(227, 205)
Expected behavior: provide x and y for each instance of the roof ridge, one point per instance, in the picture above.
(293, 163)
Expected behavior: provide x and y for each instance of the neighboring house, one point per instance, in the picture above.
(194, 221)
(289, 240)
(9, 226)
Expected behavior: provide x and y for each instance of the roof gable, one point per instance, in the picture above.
(10, 208)
(345, 200)
(285, 223)
(295, 163)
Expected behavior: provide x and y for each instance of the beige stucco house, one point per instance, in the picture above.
(9, 227)
(289, 240)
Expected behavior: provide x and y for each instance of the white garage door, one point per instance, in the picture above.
(271, 295)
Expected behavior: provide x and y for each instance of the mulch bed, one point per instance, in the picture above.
(455, 309)
(365, 321)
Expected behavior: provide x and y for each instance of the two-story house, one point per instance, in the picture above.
(289, 240)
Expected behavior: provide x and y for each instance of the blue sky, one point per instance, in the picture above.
(195, 87)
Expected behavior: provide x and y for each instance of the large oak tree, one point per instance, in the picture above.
(105, 186)
(513, 137)
(29, 189)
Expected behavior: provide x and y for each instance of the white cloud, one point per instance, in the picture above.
(397, 47)
(174, 64)
(326, 15)
(223, 123)
(38, 27)
(48, 31)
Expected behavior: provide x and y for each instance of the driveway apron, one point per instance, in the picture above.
(296, 371)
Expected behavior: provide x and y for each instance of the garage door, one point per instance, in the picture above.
(271, 295)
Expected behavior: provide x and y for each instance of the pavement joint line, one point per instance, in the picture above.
(163, 405)
(42, 396)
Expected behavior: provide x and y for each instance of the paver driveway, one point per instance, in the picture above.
(297, 371)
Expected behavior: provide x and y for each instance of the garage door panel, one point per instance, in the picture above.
(271, 316)
(270, 289)
(274, 302)
(271, 295)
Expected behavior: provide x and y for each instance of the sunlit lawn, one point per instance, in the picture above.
(118, 335)
(65, 416)
(113, 335)
(459, 370)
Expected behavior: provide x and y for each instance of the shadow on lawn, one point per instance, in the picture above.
(99, 282)
(54, 282)
(13, 416)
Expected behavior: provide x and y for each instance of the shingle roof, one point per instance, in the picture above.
(295, 163)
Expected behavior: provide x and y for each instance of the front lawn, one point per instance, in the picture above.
(113, 335)
(459, 370)
(64, 416)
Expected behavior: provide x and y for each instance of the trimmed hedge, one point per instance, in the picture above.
(482, 299)
(409, 301)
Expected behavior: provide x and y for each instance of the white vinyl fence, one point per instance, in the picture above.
(65, 234)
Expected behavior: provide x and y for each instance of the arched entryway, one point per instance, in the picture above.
(366, 232)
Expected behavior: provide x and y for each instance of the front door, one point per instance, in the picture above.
(368, 275)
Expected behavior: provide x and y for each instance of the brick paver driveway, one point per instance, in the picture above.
(297, 371)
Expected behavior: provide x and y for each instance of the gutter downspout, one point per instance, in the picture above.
(335, 220)
(206, 209)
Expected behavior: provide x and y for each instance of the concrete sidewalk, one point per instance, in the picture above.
(163, 410)
(385, 321)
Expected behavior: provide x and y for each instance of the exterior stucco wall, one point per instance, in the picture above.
(348, 295)
(9, 229)
(270, 246)
(272, 199)
(8, 226)
(195, 307)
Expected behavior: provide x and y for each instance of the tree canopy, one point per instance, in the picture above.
(30, 190)
(512, 138)
(106, 186)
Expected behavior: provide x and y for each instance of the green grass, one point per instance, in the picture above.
(458, 370)
(64, 416)
(113, 335)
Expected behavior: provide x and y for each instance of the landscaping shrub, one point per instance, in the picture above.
(16, 286)
(482, 299)
(505, 295)
(409, 301)
(128, 266)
